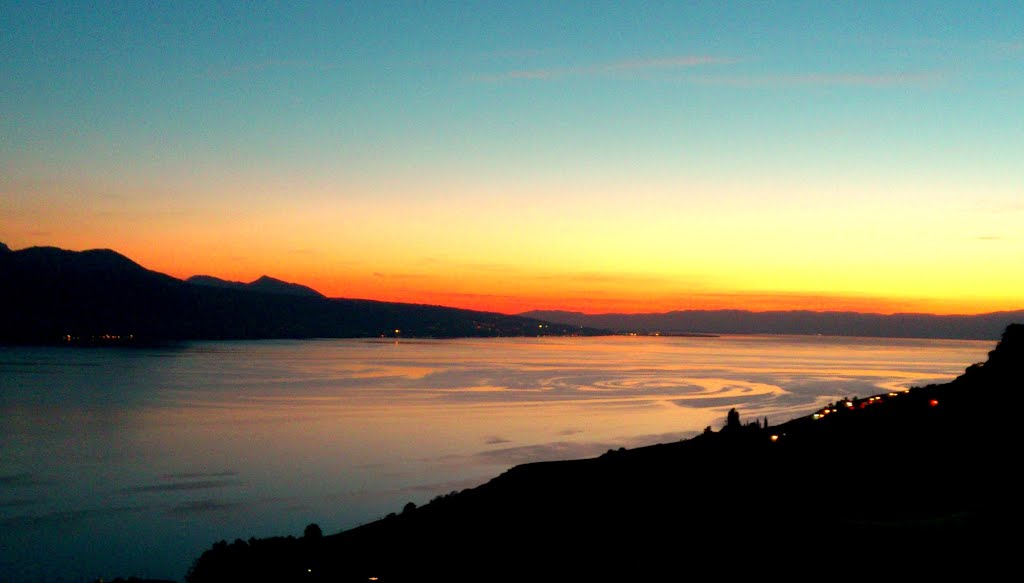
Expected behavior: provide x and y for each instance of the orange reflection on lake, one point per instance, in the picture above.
(176, 448)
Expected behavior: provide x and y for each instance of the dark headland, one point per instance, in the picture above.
(898, 484)
(100, 297)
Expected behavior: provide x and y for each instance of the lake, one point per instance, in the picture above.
(118, 462)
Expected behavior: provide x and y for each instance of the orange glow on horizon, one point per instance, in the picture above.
(494, 296)
(493, 268)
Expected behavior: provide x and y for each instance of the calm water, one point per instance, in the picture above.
(132, 462)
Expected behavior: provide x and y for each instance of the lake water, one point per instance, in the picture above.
(117, 462)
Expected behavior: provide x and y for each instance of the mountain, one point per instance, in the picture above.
(909, 485)
(979, 327)
(51, 295)
(264, 284)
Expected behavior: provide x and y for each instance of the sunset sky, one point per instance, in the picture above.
(599, 157)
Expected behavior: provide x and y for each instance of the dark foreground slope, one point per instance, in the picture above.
(917, 483)
(51, 295)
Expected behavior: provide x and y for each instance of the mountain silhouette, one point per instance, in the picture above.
(51, 295)
(979, 327)
(908, 484)
(264, 284)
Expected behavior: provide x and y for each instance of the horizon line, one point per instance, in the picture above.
(777, 296)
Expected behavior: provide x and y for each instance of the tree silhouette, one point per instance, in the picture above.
(313, 532)
(732, 419)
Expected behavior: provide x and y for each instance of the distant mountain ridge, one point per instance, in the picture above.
(50, 295)
(264, 284)
(977, 327)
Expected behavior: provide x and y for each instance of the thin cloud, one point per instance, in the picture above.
(579, 277)
(22, 479)
(20, 502)
(379, 274)
(611, 68)
(510, 54)
(998, 206)
(668, 63)
(194, 475)
(597, 277)
(823, 80)
(261, 66)
(177, 486)
(204, 506)
(64, 517)
(1010, 48)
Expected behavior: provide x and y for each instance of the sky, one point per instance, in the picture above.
(504, 156)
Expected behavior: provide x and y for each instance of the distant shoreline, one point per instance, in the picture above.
(986, 326)
(100, 297)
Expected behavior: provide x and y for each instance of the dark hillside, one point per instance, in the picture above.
(50, 295)
(265, 284)
(908, 484)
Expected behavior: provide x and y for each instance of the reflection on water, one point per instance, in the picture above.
(118, 462)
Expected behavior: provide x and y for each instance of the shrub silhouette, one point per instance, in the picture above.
(313, 532)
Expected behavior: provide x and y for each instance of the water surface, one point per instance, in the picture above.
(117, 462)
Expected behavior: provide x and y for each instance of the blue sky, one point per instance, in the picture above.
(149, 127)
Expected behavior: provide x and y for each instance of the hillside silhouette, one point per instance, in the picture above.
(51, 295)
(264, 284)
(914, 484)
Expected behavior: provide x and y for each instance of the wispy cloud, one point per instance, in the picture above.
(823, 80)
(1000, 207)
(194, 475)
(667, 63)
(1010, 48)
(232, 71)
(64, 517)
(584, 277)
(19, 502)
(610, 69)
(379, 274)
(176, 486)
(578, 277)
(510, 54)
(203, 506)
(23, 479)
